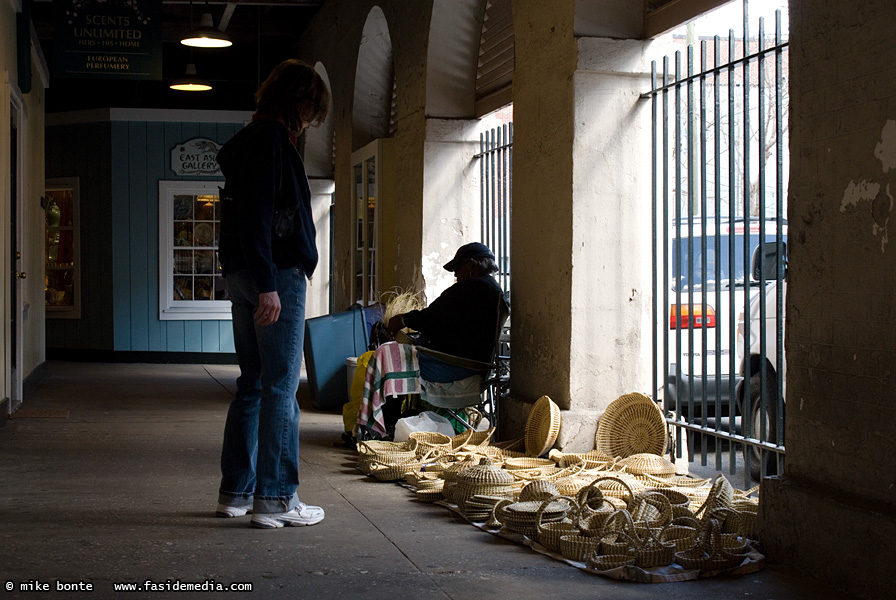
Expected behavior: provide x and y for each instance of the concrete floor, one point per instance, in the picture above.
(123, 489)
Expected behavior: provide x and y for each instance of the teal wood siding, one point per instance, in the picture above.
(120, 236)
(83, 151)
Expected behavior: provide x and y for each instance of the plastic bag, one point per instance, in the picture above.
(425, 421)
(350, 409)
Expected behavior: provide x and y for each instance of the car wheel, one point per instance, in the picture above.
(757, 456)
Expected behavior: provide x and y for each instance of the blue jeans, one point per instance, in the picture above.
(437, 371)
(260, 454)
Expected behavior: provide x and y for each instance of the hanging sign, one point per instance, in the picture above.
(107, 39)
(198, 156)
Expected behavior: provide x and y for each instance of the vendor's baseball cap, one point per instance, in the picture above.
(466, 252)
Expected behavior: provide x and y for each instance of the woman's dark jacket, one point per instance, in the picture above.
(258, 163)
(462, 321)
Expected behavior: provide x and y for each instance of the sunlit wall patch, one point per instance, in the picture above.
(876, 194)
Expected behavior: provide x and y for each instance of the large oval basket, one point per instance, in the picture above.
(632, 424)
(542, 427)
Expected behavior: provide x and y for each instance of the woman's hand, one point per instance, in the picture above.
(396, 324)
(268, 310)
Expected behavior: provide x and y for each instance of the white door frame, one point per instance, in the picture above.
(13, 284)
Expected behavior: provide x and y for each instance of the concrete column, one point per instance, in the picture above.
(610, 307)
(581, 220)
(317, 298)
(832, 512)
(542, 240)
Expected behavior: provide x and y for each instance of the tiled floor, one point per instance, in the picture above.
(123, 489)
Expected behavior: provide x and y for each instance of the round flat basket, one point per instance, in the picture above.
(647, 464)
(632, 424)
(526, 462)
(542, 427)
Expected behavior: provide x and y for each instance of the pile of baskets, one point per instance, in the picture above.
(600, 508)
(656, 528)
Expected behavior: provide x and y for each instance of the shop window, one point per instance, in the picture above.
(62, 283)
(191, 286)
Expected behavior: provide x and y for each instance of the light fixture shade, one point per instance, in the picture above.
(190, 82)
(206, 36)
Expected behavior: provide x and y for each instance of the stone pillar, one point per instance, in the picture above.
(832, 512)
(581, 221)
(317, 298)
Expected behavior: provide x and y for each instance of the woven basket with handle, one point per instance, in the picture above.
(710, 555)
(548, 534)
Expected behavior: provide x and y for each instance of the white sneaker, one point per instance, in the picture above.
(226, 511)
(301, 515)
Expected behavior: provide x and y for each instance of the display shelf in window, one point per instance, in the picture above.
(62, 282)
(191, 286)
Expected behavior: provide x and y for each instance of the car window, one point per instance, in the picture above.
(687, 263)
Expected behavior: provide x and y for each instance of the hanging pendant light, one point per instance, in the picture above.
(206, 36)
(190, 82)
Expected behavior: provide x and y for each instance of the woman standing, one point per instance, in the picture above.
(267, 250)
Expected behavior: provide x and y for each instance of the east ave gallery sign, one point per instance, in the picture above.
(107, 39)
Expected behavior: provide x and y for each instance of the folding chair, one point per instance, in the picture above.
(481, 390)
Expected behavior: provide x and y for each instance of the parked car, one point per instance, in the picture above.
(705, 295)
(758, 350)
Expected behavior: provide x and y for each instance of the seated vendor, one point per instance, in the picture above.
(462, 321)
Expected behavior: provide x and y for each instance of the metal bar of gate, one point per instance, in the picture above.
(653, 226)
(779, 244)
(763, 371)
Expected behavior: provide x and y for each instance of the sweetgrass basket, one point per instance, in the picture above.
(721, 495)
(744, 520)
(571, 485)
(605, 562)
(486, 478)
(539, 489)
(579, 547)
(388, 471)
(524, 517)
(632, 424)
(527, 462)
(651, 506)
(644, 463)
(652, 551)
(549, 533)
(710, 555)
(542, 427)
(617, 487)
(430, 490)
(431, 440)
(385, 452)
(593, 459)
(679, 502)
(683, 537)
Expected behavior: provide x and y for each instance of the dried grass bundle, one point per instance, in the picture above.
(399, 302)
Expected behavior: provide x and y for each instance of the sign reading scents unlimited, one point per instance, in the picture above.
(107, 39)
(198, 156)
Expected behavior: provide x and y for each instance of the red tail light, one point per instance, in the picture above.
(680, 317)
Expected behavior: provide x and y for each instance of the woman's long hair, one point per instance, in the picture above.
(294, 92)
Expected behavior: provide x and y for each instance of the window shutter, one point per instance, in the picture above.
(494, 72)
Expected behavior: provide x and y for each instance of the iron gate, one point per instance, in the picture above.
(719, 247)
(496, 174)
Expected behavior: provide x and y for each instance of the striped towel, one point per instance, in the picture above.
(393, 371)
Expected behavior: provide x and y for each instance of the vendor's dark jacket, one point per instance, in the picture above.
(256, 162)
(462, 321)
